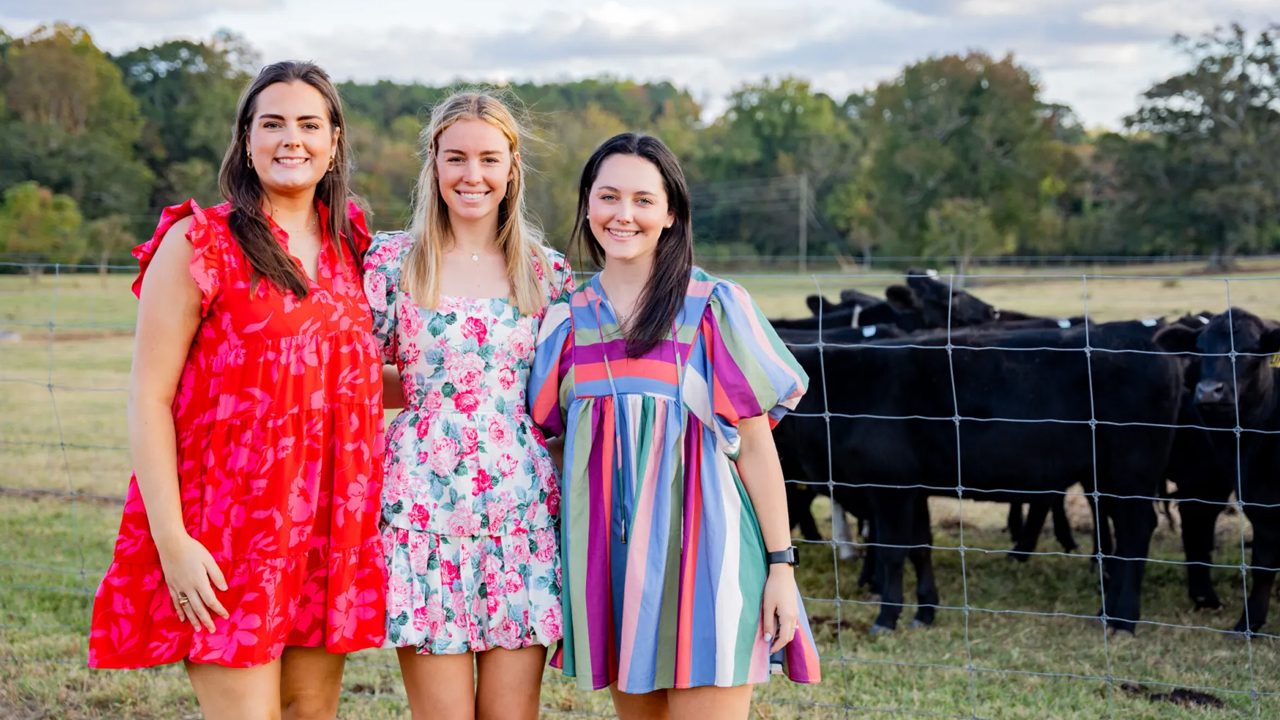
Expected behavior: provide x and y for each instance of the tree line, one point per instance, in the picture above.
(955, 157)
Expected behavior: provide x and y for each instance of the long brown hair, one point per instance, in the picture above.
(518, 237)
(241, 187)
(668, 284)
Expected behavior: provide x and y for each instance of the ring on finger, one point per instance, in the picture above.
(183, 600)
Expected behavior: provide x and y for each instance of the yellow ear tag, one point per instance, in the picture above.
(1275, 361)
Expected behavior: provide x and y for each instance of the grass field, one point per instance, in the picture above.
(1027, 637)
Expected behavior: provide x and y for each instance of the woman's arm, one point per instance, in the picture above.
(392, 390)
(761, 475)
(555, 446)
(168, 317)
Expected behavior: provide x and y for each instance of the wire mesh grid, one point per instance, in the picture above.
(1043, 663)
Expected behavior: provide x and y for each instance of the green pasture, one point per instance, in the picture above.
(1027, 647)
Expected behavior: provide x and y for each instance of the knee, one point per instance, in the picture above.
(309, 706)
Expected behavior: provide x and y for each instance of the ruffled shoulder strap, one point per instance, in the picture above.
(206, 261)
(360, 229)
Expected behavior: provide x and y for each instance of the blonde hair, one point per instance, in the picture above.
(519, 239)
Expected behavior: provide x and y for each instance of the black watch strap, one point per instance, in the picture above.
(788, 556)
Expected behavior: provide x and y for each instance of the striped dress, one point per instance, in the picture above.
(664, 563)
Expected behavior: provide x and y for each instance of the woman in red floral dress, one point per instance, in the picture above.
(249, 546)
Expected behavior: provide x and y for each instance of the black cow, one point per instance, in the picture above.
(802, 489)
(1239, 386)
(1134, 400)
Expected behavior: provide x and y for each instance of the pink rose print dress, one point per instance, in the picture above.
(471, 504)
(278, 417)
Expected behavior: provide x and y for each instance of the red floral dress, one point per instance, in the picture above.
(280, 442)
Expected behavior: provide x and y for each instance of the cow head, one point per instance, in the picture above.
(1252, 378)
(818, 304)
(901, 298)
(942, 303)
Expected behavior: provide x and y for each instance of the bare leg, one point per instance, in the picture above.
(310, 683)
(440, 687)
(701, 703)
(236, 693)
(646, 706)
(510, 683)
(710, 703)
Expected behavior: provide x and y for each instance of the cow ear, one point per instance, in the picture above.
(901, 297)
(816, 303)
(1177, 338)
(1271, 341)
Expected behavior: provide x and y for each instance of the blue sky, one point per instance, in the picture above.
(1096, 55)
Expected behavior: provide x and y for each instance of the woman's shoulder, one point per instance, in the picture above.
(717, 290)
(556, 260)
(386, 251)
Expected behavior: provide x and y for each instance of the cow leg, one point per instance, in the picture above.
(1198, 521)
(922, 561)
(1266, 554)
(869, 578)
(1037, 512)
(1014, 523)
(1062, 525)
(894, 522)
(1135, 521)
(840, 531)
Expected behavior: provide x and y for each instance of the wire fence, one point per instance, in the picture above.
(1001, 646)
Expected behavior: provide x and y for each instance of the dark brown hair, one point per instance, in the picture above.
(668, 284)
(239, 183)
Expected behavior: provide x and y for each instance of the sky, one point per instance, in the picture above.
(1095, 55)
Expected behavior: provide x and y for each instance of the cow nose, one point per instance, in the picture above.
(1210, 391)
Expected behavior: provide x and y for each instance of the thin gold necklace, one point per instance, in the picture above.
(315, 218)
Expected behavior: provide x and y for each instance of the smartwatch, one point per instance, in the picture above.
(788, 556)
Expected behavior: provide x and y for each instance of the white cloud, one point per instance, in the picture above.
(141, 11)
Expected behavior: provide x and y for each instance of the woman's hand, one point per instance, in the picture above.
(191, 574)
(780, 610)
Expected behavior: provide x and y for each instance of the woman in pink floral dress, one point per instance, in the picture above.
(471, 501)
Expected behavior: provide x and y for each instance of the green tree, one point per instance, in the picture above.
(959, 127)
(961, 228)
(108, 238)
(772, 130)
(69, 123)
(1202, 165)
(187, 93)
(38, 226)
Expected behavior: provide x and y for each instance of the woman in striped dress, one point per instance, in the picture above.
(665, 382)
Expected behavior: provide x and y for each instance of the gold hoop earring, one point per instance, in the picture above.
(248, 157)
(332, 161)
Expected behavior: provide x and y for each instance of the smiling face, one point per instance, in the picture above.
(291, 139)
(627, 209)
(473, 168)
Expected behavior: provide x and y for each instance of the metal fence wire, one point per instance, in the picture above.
(1030, 657)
